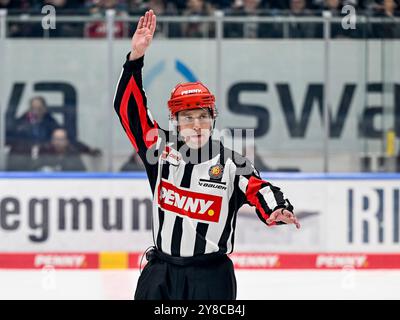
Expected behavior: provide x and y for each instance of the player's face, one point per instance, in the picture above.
(195, 127)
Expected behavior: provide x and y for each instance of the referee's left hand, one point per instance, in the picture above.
(285, 216)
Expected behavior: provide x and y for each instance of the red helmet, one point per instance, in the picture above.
(191, 95)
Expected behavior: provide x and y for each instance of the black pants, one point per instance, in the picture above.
(162, 280)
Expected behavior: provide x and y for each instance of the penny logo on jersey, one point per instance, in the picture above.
(195, 205)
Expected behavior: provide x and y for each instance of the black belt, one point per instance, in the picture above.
(202, 259)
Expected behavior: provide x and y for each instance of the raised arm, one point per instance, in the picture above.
(130, 101)
(143, 35)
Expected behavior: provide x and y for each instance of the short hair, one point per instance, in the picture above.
(40, 98)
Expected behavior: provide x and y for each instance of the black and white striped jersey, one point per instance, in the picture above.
(196, 198)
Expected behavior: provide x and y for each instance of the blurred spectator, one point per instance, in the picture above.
(221, 4)
(298, 8)
(337, 31)
(8, 4)
(34, 126)
(98, 29)
(134, 163)
(180, 4)
(164, 8)
(5, 4)
(321, 4)
(135, 7)
(249, 29)
(59, 154)
(198, 8)
(65, 6)
(65, 29)
(317, 4)
(334, 6)
(25, 134)
(386, 29)
(35, 29)
(300, 29)
(15, 29)
(158, 6)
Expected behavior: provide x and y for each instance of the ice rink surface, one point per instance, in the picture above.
(252, 285)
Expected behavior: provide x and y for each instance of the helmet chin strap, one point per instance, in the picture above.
(213, 127)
